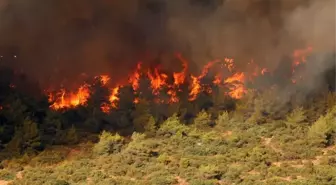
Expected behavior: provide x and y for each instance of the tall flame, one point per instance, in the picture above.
(179, 78)
(158, 80)
(195, 88)
(135, 78)
(114, 97)
(237, 88)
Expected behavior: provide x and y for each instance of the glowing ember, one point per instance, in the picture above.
(300, 55)
(217, 80)
(104, 79)
(229, 64)
(173, 96)
(105, 107)
(263, 71)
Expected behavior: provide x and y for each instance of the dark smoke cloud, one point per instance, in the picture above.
(55, 39)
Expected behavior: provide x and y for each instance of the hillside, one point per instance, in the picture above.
(245, 146)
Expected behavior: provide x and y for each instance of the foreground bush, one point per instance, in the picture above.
(108, 144)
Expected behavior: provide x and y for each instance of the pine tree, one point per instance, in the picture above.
(141, 116)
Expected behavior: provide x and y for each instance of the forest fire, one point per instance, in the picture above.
(229, 78)
(71, 99)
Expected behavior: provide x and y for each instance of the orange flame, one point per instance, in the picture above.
(195, 88)
(114, 97)
(104, 79)
(64, 100)
(300, 55)
(237, 88)
(179, 78)
(229, 64)
(217, 80)
(158, 80)
(135, 78)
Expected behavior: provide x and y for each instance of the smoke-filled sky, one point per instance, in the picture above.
(60, 38)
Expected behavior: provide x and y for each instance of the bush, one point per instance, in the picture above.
(210, 172)
(71, 136)
(61, 182)
(203, 182)
(318, 131)
(49, 157)
(173, 126)
(162, 178)
(108, 144)
(223, 119)
(6, 175)
(203, 120)
(296, 117)
(322, 131)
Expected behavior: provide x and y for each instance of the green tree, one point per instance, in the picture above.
(142, 119)
(31, 136)
(324, 129)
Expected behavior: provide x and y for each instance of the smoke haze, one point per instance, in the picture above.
(56, 39)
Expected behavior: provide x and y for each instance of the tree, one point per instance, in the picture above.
(324, 129)
(142, 119)
(31, 136)
(52, 128)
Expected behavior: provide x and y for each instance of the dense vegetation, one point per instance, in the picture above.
(260, 139)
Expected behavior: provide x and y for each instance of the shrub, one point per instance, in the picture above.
(223, 119)
(150, 126)
(173, 126)
(61, 182)
(296, 117)
(108, 144)
(322, 130)
(162, 178)
(203, 182)
(210, 172)
(71, 136)
(256, 117)
(318, 131)
(203, 120)
(164, 158)
(49, 157)
(6, 175)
